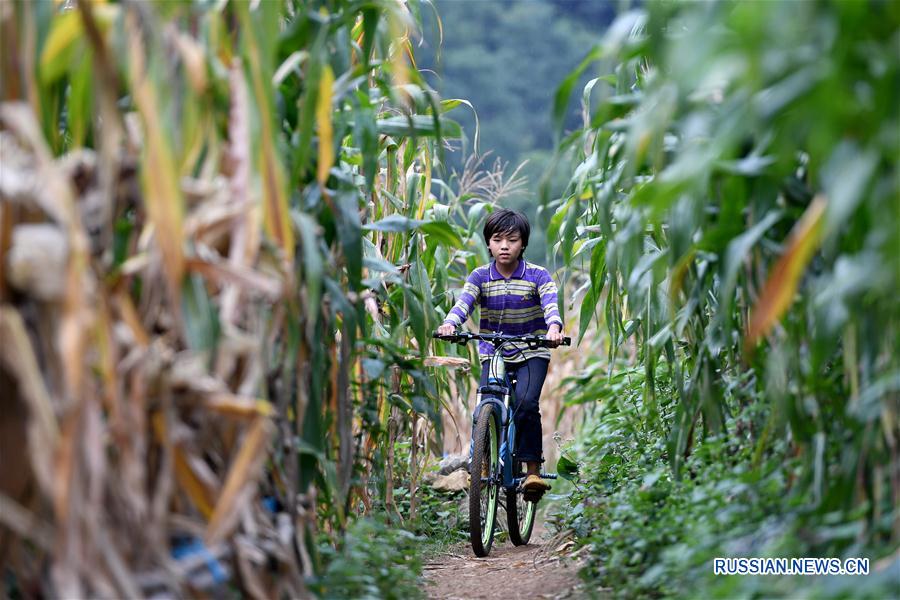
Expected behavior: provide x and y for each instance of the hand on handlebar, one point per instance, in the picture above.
(446, 329)
(554, 336)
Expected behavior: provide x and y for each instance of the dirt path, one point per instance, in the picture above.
(510, 572)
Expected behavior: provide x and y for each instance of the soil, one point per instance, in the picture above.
(539, 570)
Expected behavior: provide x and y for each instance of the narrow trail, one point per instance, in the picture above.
(537, 570)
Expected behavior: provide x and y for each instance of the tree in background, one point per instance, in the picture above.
(505, 57)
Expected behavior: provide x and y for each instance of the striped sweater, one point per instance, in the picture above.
(523, 304)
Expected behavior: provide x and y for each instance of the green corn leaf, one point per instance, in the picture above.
(564, 92)
(443, 232)
(394, 224)
(418, 126)
(567, 468)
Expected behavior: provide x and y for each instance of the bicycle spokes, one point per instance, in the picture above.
(520, 511)
(484, 473)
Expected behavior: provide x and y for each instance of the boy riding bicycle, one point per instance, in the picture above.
(516, 298)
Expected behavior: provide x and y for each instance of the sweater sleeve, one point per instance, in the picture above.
(471, 292)
(548, 294)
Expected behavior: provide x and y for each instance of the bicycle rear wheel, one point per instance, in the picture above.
(519, 511)
(484, 471)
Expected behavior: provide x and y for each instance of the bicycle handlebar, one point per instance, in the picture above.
(466, 336)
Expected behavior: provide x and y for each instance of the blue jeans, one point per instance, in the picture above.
(529, 376)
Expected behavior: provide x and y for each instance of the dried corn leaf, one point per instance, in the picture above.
(162, 194)
(242, 475)
(201, 493)
(17, 355)
(781, 286)
(40, 182)
(194, 59)
(130, 317)
(275, 202)
(239, 406)
(446, 361)
(241, 254)
(25, 524)
(58, 201)
(234, 274)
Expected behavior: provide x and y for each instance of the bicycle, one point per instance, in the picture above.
(493, 464)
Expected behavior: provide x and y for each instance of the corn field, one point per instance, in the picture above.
(227, 232)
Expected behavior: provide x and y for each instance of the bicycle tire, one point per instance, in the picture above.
(486, 454)
(520, 513)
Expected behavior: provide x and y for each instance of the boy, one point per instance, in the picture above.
(516, 298)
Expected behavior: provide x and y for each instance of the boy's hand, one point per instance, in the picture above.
(446, 330)
(554, 336)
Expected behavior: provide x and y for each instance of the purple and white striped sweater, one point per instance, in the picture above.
(523, 304)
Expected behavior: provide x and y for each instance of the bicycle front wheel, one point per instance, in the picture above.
(484, 472)
(519, 511)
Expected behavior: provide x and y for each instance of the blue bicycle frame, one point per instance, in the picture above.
(500, 393)
(499, 468)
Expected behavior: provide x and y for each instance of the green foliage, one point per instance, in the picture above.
(441, 518)
(654, 536)
(375, 559)
(732, 222)
(567, 468)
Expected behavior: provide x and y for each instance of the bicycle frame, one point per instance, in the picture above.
(499, 383)
(500, 393)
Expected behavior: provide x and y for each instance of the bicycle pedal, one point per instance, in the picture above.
(532, 495)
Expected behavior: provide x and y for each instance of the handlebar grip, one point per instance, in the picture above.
(455, 338)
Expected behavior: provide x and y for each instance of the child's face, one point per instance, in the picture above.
(506, 247)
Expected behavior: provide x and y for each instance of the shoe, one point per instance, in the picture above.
(533, 483)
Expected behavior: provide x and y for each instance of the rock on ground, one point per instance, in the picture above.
(455, 481)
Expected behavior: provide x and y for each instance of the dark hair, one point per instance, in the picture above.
(507, 221)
